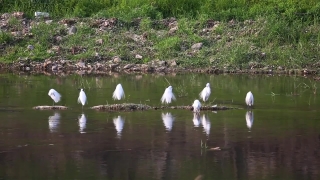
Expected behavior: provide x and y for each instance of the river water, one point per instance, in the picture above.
(278, 139)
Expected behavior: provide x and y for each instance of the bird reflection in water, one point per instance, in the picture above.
(206, 124)
(54, 122)
(196, 120)
(118, 123)
(249, 119)
(167, 120)
(82, 123)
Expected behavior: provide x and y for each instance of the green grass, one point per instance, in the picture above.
(269, 33)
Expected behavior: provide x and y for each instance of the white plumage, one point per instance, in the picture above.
(196, 106)
(249, 119)
(196, 120)
(55, 96)
(82, 123)
(82, 97)
(249, 99)
(54, 122)
(118, 123)
(206, 124)
(205, 93)
(168, 95)
(118, 93)
(167, 120)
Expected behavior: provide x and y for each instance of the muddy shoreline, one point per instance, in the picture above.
(106, 67)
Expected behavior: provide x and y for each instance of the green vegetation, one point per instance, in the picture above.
(234, 34)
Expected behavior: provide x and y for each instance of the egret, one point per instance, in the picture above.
(168, 95)
(55, 96)
(196, 119)
(118, 93)
(249, 99)
(82, 123)
(206, 124)
(54, 122)
(205, 93)
(196, 106)
(82, 98)
(249, 119)
(167, 120)
(118, 123)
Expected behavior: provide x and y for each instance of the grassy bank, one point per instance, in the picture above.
(233, 34)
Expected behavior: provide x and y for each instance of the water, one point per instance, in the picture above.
(282, 141)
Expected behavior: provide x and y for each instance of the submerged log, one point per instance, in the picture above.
(135, 107)
(50, 107)
(203, 108)
(122, 107)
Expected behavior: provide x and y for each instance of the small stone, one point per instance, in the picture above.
(99, 41)
(5, 16)
(197, 46)
(173, 30)
(116, 59)
(138, 56)
(54, 68)
(58, 38)
(128, 66)
(18, 15)
(30, 47)
(16, 33)
(48, 21)
(72, 30)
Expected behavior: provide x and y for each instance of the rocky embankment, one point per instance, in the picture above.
(97, 64)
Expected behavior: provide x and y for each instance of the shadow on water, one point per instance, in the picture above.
(283, 142)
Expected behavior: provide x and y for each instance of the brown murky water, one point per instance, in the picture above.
(278, 139)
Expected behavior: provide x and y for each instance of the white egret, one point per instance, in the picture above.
(118, 93)
(82, 98)
(168, 95)
(167, 120)
(206, 124)
(205, 93)
(196, 106)
(196, 120)
(54, 122)
(249, 119)
(55, 96)
(82, 122)
(249, 99)
(118, 123)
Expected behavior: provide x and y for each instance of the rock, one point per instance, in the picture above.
(144, 66)
(58, 38)
(197, 46)
(81, 64)
(5, 16)
(116, 59)
(18, 15)
(138, 56)
(56, 48)
(54, 68)
(173, 30)
(172, 63)
(48, 21)
(113, 66)
(99, 41)
(128, 66)
(30, 47)
(162, 63)
(72, 30)
(41, 14)
(16, 33)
